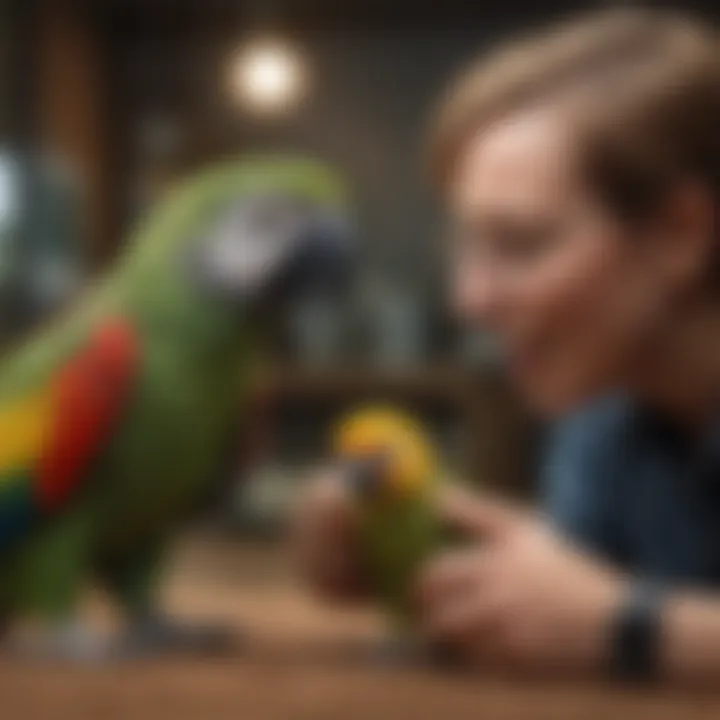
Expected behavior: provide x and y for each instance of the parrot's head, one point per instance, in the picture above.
(386, 454)
(257, 231)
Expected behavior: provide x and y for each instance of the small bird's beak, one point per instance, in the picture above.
(365, 476)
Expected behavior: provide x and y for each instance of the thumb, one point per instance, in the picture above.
(476, 516)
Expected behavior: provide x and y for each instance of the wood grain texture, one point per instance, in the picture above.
(303, 661)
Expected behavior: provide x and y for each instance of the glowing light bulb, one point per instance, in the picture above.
(268, 76)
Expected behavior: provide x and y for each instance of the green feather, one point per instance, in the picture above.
(397, 539)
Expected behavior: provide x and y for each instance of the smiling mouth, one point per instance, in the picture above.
(523, 357)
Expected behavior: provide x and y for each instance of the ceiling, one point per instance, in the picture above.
(170, 16)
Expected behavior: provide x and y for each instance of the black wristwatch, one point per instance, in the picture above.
(636, 633)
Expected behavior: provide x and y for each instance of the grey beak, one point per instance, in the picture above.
(365, 476)
(323, 262)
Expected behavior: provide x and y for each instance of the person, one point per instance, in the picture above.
(581, 167)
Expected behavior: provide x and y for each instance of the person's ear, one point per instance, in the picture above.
(688, 236)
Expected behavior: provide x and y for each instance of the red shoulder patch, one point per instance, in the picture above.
(91, 391)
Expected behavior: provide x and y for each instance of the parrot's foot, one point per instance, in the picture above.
(406, 652)
(398, 652)
(69, 642)
(160, 635)
(441, 657)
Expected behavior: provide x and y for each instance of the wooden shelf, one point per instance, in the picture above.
(491, 421)
(445, 383)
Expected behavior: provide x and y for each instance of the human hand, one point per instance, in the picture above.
(325, 540)
(519, 596)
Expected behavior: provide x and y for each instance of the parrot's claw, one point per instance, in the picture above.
(159, 635)
(404, 652)
(67, 643)
(398, 652)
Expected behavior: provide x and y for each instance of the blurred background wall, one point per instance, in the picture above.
(106, 102)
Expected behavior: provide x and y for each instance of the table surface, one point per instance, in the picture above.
(300, 660)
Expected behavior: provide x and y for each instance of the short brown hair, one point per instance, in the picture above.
(655, 75)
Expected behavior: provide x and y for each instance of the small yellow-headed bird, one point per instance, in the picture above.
(393, 471)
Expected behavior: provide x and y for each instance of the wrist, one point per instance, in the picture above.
(691, 638)
(603, 605)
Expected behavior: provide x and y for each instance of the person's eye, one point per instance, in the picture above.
(525, 243)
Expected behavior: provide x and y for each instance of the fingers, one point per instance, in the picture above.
(459, 617)
(454, 573)
(479, 517)
(460, 606)
(452, 592)
(324, 540)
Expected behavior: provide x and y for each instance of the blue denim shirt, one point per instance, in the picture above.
(627, 485)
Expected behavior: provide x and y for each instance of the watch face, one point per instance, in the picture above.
(636, 632)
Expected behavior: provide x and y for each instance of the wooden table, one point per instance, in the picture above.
(302, 661)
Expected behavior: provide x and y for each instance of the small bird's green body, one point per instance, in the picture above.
(394, 477)
(187, 353)
(395, 543)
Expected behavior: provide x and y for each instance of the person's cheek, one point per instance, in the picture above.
(607, 310)
(561, 341)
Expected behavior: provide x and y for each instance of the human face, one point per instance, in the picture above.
(539, 262)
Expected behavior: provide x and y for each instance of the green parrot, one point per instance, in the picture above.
(113, 419)
(393, 474)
